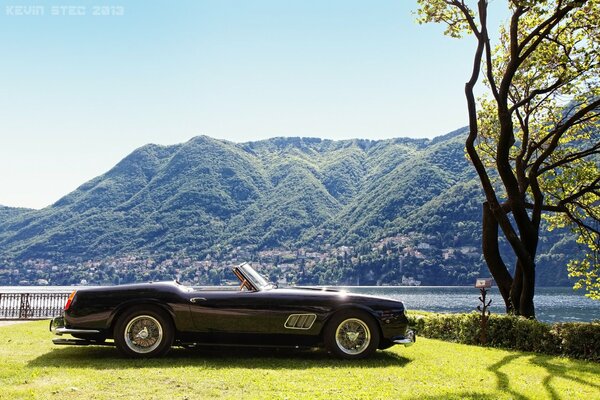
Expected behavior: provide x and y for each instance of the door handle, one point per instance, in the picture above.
(197, 299)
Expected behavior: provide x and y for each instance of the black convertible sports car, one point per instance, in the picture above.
(145, 320)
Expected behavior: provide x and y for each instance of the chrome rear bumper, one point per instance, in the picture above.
(55, 323)
(57, 326)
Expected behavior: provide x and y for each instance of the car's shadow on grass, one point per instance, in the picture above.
(214, 357)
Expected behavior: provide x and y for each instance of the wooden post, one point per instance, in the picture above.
(485, 315)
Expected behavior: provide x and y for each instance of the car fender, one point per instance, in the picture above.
(121, 308)
(350, 307)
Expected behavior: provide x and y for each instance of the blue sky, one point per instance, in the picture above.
(80, 92)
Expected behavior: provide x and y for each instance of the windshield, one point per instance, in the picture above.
(256, 279)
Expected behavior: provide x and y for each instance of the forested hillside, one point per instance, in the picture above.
(10, 212)
(310, 210)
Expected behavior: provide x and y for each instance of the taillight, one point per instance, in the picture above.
(70, 300)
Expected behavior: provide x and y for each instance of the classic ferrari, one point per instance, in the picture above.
(145, 320)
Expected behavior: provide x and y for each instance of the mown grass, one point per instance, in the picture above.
(32, 367)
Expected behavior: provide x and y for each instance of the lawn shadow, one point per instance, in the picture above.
(215, 357)
(559, 371)
(471, 395)
(552, 371)
(502, 381)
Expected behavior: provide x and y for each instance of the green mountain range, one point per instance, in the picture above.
(203, 198)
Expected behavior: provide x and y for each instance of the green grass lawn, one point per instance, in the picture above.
(32, 367)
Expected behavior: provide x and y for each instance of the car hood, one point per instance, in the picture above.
(325, 292)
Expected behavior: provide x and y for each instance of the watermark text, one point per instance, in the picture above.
(16, 10)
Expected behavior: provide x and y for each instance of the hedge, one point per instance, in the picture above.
(573, 339)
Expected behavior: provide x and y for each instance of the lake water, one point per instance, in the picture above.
(552, 304)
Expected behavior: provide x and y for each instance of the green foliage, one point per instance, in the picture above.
(573, 339)
(11, 212)
(537, 127)
(587, 273)
(578, 339)
(565, 68)
(440, 11)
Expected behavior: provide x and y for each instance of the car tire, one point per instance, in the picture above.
(351, 334)
(144, 332)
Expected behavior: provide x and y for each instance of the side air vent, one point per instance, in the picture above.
(300, 321)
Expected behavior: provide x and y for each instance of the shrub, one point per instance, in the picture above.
(574, 339)
(577, 339)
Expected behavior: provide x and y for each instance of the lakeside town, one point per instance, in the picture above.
(397, 260)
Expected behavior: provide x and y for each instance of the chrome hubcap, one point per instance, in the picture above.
(143, 334)
(353, 336)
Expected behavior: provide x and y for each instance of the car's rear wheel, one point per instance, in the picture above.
(352, 334)
(144, 332)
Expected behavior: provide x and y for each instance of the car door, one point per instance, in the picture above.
(235, 312)
(271, 312)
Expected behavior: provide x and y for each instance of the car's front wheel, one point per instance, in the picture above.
(352, 334)
(144, 332)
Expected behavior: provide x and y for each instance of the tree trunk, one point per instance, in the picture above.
(516, 289)
(526, 307)
(530, 240)
(523, 285)
(494, 261)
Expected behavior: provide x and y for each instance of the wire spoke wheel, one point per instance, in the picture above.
(353, 336)
(144, 331)
(143, 334)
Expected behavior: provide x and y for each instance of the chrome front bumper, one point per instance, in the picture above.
(407, 340)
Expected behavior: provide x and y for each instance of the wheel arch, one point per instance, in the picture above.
(125, 306)
(352, 307)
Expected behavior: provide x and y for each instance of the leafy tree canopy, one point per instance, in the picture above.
(534, 137)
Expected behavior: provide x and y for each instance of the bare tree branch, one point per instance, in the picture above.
(535, 93)
(586, 189)
(571, 157)
(558, 132)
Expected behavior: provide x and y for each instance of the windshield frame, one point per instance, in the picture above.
(256, 280)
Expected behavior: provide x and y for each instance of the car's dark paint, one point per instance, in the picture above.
(97, 308)
(253, 317)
